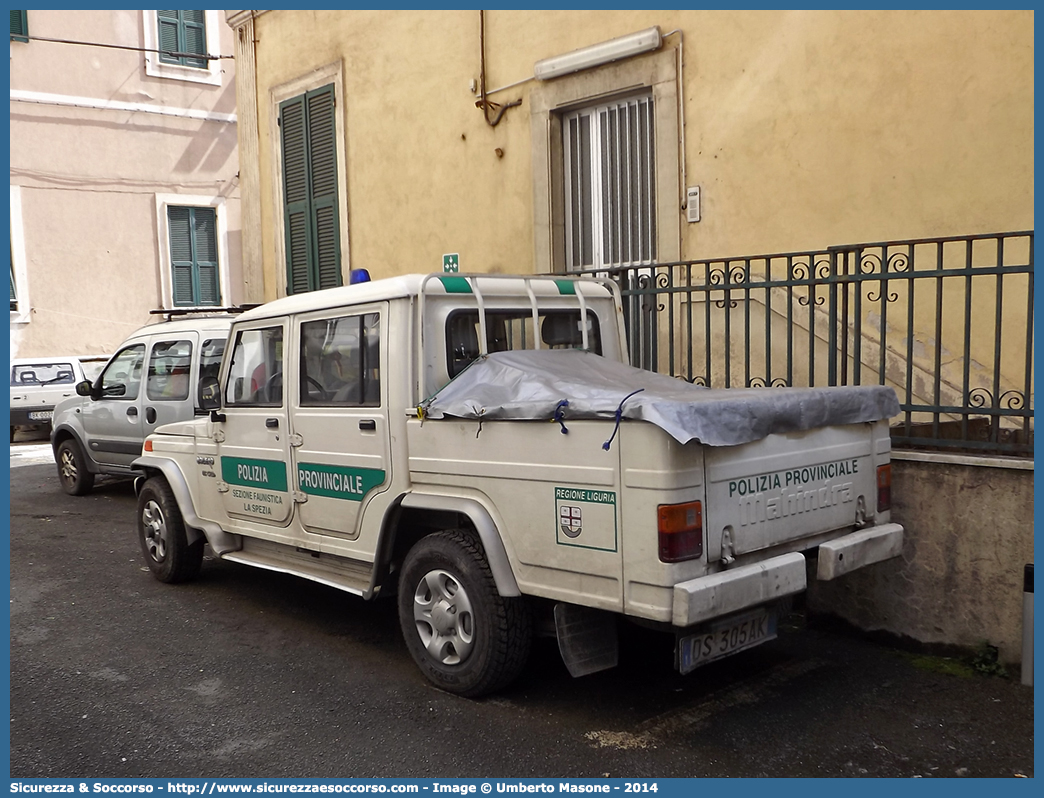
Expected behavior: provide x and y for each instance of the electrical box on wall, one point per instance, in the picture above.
(692, 203)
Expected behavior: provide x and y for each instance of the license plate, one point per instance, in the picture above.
(40, 415)
(724, 638)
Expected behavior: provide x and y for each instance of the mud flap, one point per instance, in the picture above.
(587, 639)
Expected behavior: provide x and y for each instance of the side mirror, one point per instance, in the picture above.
(84, 388)
(209, 393)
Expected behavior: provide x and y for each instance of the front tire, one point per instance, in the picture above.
(73, 474)
(465, 637)
(161, 532)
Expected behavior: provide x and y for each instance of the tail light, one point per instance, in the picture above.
(884, 488)
(680, 529)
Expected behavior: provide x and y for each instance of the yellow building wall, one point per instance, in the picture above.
(804, 129)
(818, 128)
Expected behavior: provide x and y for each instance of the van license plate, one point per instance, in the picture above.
(40, 415)
(725, 638)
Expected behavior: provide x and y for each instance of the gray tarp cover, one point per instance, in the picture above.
(532, 385)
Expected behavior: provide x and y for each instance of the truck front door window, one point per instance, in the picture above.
(255, 377)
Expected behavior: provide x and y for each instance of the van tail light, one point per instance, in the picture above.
(680, 529)
(884, 488)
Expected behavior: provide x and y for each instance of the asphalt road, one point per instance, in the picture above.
(246, 673)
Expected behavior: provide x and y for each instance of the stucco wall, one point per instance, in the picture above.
(803, 128)
(96, 143)
(969, 533)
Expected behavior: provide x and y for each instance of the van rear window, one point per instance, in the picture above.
(42, 374)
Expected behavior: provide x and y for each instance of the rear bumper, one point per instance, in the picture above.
(20, 415)
(708, 597)
(859, 549)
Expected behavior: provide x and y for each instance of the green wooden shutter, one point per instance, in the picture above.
(180, 223)
(182, 32)
(168, 35)
(19, 26)
(195, 37)
(310, 215)
(205, 241)
(295, 195)
(322, 145)
(195, 277)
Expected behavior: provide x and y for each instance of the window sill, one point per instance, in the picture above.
(157, 69)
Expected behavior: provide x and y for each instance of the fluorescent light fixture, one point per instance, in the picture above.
(586, 57)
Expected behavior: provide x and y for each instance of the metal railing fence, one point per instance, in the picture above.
(947, 322)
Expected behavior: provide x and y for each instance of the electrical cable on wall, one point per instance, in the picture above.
(171, 53)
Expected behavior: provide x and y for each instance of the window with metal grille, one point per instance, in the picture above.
(193, 256)
(19, 26)
(313, 249)
(182, 34)
(610, 184)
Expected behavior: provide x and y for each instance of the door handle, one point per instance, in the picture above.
(150, 415)
(368, 424)
(272, 423)
(132, 411)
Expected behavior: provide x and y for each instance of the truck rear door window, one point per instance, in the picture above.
(341, 362)
(513, 330)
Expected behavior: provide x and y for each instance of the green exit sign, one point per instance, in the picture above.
(451, 263)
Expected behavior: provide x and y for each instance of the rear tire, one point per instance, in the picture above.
(73, 473)
(161, 532)
(465, 637)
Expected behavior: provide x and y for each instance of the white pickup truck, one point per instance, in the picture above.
(479, 447)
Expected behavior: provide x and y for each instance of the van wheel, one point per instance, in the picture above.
(161, 531)
(73, 473)
(465, 637)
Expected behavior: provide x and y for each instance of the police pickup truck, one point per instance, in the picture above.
(478, 447)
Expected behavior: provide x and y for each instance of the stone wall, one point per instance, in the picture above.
(959, 582)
